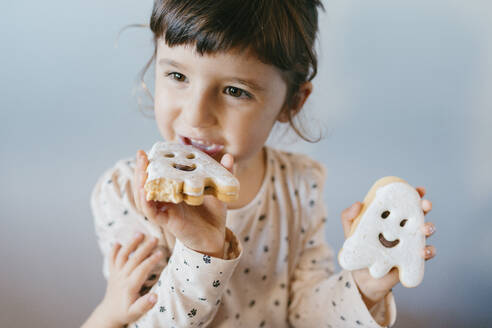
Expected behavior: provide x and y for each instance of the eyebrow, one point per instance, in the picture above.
(170, 62)
(252, 84)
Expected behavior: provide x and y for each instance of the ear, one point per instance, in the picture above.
(299, 99)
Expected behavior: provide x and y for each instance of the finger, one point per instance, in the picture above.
(142, 305)
(421, 191)
(429, 229)
(390, 279)
(122, 256)
(426, 206)
(136, 181)
(161, 206)
(140, 177)
(112, 255)
(114, 251)
(429, 252)
(141, 273)
(348, 216)
(143, 251)
(144, 161)
(228, 162)
(148, 208)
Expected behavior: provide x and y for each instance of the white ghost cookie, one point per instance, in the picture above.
(388, 233)
(178, 172)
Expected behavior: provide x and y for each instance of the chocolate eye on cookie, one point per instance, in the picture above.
(380, 241)
(178, 172)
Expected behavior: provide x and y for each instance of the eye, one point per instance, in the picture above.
(403, 222)
(236, 92)
(385, 214)
(177, 76)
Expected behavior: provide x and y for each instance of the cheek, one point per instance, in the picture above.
(250, 131)
(164, 116)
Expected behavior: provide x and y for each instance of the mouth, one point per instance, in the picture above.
(210, 148)
(387, 243)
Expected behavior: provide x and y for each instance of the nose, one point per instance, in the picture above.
(199, 109)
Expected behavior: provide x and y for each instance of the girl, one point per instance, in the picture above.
(225, 73)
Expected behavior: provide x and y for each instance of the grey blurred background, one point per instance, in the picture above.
(404, 88)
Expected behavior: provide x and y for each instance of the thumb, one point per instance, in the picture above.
(228, 162)
(348, 216)
(142, 305)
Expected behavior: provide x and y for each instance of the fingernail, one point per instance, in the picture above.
(431, 229)
(152, 298)
(428, 252)
(138, 235)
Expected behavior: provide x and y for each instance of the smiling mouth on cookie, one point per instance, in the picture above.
(387, 243)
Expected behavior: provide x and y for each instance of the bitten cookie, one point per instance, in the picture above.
(178, 172)
(388, 233)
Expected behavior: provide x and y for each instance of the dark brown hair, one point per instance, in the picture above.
(281, 33)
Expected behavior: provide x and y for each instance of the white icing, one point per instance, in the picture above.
(363, 248)
(207, 168)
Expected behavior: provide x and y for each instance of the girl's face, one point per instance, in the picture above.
(221, 103)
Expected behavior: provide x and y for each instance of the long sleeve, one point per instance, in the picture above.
(320, 298)
(189, 285)
(189, 290)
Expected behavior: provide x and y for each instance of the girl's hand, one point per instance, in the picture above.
(201, 228)
(122, 303)
(373, 290)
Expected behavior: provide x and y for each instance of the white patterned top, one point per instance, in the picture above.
(279, 272)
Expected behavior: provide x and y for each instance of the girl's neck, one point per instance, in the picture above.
(250, 176)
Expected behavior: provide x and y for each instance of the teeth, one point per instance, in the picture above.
(199, 142)
(206, 146)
